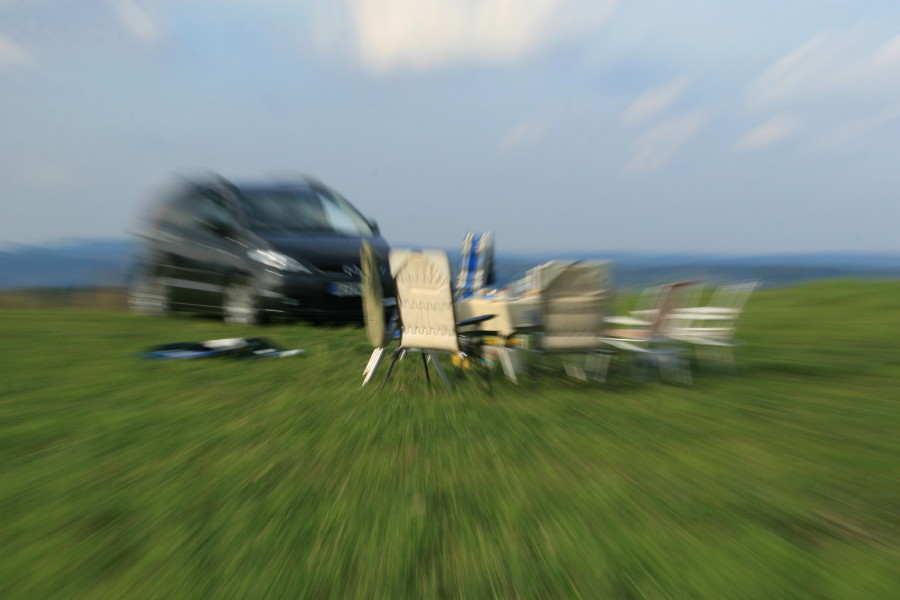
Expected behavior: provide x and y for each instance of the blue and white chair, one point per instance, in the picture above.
(476, 266)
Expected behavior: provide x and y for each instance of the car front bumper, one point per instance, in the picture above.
(321, 296)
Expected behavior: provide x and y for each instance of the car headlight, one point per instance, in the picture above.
(279, 261)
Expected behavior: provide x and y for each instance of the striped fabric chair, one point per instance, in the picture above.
(476, 266)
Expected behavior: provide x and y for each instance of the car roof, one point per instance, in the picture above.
(241, 187)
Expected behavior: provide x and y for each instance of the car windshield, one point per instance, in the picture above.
(303, 210)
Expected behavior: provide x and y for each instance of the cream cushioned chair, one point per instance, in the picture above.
(426, 310)
(575, 305)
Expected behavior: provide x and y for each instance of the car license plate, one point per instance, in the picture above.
(345, 288)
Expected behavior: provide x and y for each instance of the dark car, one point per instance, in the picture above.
(252, 252)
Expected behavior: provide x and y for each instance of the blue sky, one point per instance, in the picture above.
(700, 125)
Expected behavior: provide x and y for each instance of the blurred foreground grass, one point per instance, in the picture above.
(128, 478)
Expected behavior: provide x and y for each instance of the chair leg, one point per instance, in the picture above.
(460, 365)
(728, 360)
(439, 369)
(371, 360)
(601, 361)
(425, 364)
(721, 357)
(398, 353)
(606, 362)
(675, 367)
(507, 364)
(640, 366)
(372, 366)
(573, 370)
(667, 363)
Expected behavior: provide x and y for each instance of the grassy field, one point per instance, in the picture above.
(127, 478)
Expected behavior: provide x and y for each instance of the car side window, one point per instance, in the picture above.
(343, 218)
(211, 208)
(178, 214)
(340, 220)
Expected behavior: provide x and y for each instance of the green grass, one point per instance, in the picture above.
(127, 478)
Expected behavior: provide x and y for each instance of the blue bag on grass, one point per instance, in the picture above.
(229, 347)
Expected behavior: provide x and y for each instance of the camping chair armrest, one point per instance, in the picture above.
(474, 320)
(626, 320)
(708, 312)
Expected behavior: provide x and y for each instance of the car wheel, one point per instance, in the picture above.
(239, 305)
(149, 295)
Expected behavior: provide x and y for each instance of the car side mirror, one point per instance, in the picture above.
(373, 225)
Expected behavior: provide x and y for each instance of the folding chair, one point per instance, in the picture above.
(426, 311)
(574, 306)
(645, 336)
(379, 333)
(476, 265)
(710, 329)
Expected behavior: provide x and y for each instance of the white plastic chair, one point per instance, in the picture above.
(644, 333)
(710, 329)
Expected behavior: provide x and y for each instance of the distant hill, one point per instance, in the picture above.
(633, 270)
(80, 263)
(105, 262)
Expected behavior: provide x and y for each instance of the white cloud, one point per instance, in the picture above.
(848, 63)
(526, 133)
(656, 147)
(773, 130)
(887, 55)
(654, 101)
(809, 69)
(853, 129)
(136, 18)
(845, 84)
(11, 54)
(426, 34)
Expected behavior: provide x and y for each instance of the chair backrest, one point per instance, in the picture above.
(672, 296)
(733, 296)
(538, 278)
(728, 302)
(575, 305)
(649, 298)
(425, 299)
(372, 295)
(476, 265)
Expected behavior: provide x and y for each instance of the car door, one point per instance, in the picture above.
(179, 252)
(224, 254)
(191, 258)
(209, 254)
